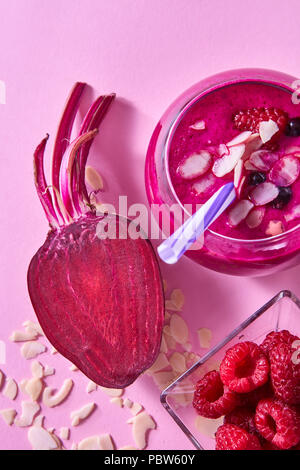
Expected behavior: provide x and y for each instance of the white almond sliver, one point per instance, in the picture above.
(208, 427)
(267, 129)
(8, 416)
(177, 362)
(285, 171)
(171, 306)
(163, 379)
(142, 423)
(93, 178)
(263, 159)
(91, 386)
(117, 401)
(255, 217)
(238, 173)
(29, 410)
(293, 214)
(90, 443)
(264, 193)
(32, 349)
(128, 403)
(204, 335)
(198, 125)
(64, 433)
(160, 363)
(136, 408)
(11, 389)
(39, 421)
(179, 329)
(73, 368)
(170, 341)
(163, 345)
(195, 165)
(106, 442)
(239, 212)
(226, 164)
(241, 138)
(83, 413)
(19, 336)
(275, 227)
(249, 166)
(40, 439)
(52, 399)
(33, 388)
(48, 371)
(34, 326)
(205, 184)
(37, 370)
(112, 392)
(177, 298)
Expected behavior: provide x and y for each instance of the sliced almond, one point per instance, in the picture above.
(18, 336)
(264, 193)
(204, 336)
(142, 423)
(41, 439)
(128, 403)
(52, 399)
(48, 371)
(198, 125)
(255, 217)
(204, 185)
(239, 212)
(177, 362)
(179, 329)
(129, 447)
(37, 369)
(226, 164)
(8, 415)
(34, 388)
(83, 413)
(91, 386)
(275, 227)
(32, 349)
(160, 363)
(29, 410)
(267, 129)
(112, 392)
(64, 433)
(90, 443)
(106, 442)
(195, 165)
(285, 171)
(164, 379)
(208, 427)
(34, 326)
(136, 408)
(11, 389)
(241, 138)
(73, 368)
(117, 401)
(170, 341)
(177, 298)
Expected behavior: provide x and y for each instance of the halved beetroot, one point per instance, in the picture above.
(98, 296)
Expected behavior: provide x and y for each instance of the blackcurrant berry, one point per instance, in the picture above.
(256, 177)
(283, 198)
(293, 127)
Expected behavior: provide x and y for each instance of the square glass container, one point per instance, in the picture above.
(282, 312)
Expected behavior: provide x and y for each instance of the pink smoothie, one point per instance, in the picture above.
(215, 111)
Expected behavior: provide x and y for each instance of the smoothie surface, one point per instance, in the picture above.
(216, 110)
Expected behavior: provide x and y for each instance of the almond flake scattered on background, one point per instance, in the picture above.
(64, 433)
(19, 336)
(8, 416)
(31, 349)
(112, 392)
(83, 413)
(142, 423)
(91, 386)
(204, 335)
(11, 389)
(50, 399)
(29, 410)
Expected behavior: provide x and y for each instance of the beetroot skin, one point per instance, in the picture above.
(100, 302)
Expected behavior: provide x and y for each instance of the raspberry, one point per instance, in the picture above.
(285, 373)
(249, 120)
(278, 423)
(276, 337)
(252, 398)
(211, 398)
(244, 368)
(242, 417)
(231, 437)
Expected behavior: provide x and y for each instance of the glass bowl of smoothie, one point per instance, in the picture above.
(242, 126)
(282, 312)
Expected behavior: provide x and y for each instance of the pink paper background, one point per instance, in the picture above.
(147, 52)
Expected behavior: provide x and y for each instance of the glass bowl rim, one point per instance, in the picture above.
(163, 396)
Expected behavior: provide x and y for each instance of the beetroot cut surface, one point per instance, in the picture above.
(99, 300)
